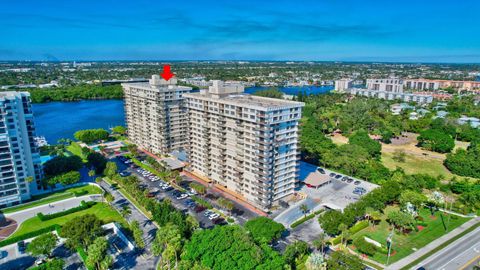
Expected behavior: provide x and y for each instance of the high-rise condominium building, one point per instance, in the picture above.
(343, 84)
(20, 168)
(386, 85)
(246, 145)
(155, 115)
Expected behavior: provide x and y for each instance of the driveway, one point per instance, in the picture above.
(133, 259)
(54, 207)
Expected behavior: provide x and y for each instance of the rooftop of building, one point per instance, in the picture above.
(232, 94)
(13, 94)
(157, 83)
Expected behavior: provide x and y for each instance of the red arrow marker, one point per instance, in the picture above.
(166, 74)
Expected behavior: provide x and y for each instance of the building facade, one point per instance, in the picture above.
(387, 85)
(156, 117)
(342, 85)
(246, 145)
(405, 97)
(20, 166)
(433, 85)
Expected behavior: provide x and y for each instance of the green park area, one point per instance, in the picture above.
(102, 211)
(427, 228)
(54, 197)
(76, 149)
(413, 164)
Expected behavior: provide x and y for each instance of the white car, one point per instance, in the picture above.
(213, 216)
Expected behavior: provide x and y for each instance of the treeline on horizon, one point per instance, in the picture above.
(75, 93)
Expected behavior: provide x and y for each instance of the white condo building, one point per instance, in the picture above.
(246, 145)
(20, 167)
(343, 85)
(156, 117)
(388, 85)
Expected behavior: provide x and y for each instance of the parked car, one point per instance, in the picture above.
(219, 221)
(3, 254)
(199, 208)
(332, 174)
(320, 170)
(40, 261)
(150, 195)
(338, 176)
(357, 182)
(349, 180)
(124, 173)
(21, 247)
(182, 196)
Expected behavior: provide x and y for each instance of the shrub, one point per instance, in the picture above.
(359, 226)
(302, 220)
(83, 205)
(230, 220)
(365, 247)
(15, 239)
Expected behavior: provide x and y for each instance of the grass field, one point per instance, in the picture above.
(53, 197)
(102, 210)
(405, 244)
(76, 149)
(415, 164)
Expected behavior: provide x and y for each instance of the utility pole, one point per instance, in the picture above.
(390, 243)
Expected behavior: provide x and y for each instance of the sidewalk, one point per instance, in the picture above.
(422, 251)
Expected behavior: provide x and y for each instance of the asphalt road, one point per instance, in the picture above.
(461, 254)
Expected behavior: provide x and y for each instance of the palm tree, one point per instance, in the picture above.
(343, 228)
(304, 209)
(126, 211)
(91, 173)
(319, 243)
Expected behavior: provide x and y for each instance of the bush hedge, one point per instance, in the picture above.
(304, 219)
(18, 238)
(83, 206)
(358, 226)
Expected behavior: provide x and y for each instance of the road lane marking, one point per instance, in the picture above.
(457, 256)
(469, 262)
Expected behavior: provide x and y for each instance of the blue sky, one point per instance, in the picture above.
(321, 30)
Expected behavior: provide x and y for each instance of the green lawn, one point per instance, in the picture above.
(53, 197)
(76, 149)
(405, 244)
(102, 210)
(415, 164)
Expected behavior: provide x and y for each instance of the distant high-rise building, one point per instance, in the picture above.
(155, 116)
(342, 85)
(387, 85)
(246, 145)
(20, 167)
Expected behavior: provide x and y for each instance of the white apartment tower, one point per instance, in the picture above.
(387, 85)
(246, 145)
(155, 115)
(20, 167)
(342, 85)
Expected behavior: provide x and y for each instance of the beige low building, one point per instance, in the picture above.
(246, 145)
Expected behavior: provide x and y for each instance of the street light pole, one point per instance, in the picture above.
(390, 243)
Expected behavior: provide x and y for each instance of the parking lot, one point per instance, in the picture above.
(161, 190)
(13, 258)
(334, 191)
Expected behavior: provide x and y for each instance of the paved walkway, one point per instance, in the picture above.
(416, 255)
(54, 207)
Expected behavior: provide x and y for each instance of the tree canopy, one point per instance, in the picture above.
(62, 164)
(436, 140)
(264, 230)
(81, 231)
(91, 135)
(229, 247)
(43, 244)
